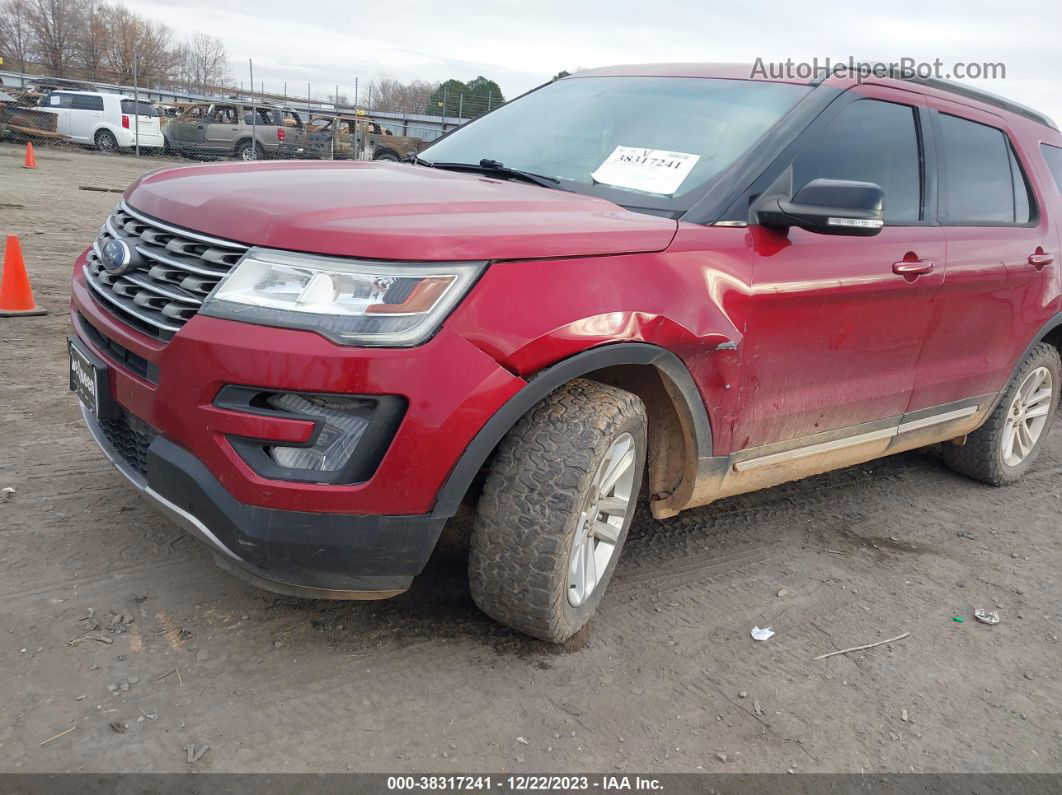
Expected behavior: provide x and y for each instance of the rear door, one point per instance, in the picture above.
(1003, 254)
(86, 115)
(836, 323)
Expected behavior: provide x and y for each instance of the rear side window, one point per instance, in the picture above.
(1053, 156)
(82, 102)
(983, 181)
(869, 141)
(132, 106)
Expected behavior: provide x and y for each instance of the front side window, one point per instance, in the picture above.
(579, 130)
(983, 181)
(869, 141)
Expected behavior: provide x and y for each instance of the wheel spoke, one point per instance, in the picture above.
(608, 533)
(1024, 442)
(617, 469)
(1042, 396)
(613, 506)
(1037, 411)
(1009, 441)
(590, 566)
(576, 572)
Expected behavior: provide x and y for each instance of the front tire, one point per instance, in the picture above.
(105, 141)
(1009, 442)
(556, 508)
(387, 155)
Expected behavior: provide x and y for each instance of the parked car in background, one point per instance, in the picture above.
(108, 122)
(743, 283)
(349, 136)
(236, 129)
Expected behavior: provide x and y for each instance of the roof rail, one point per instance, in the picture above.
(984, 96)
(899, 73)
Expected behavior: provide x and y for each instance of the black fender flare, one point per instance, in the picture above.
(556, 375)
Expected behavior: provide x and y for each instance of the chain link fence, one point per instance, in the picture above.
(381, 119)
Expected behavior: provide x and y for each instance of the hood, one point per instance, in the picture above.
(391, 211)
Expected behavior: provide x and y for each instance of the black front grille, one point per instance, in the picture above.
(119, 353)
(174, 271)
(130, 438)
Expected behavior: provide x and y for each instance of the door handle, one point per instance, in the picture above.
(1040, 260)
(915, 267)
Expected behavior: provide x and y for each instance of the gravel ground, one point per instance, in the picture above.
(117, 627)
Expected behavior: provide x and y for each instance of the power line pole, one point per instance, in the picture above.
(254, 115)
(136, 102)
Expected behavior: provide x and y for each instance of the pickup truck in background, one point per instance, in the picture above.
(238, 129)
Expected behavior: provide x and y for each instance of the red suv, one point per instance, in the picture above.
(659, 283)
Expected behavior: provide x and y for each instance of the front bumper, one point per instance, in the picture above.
(353, 540)
(329, 556)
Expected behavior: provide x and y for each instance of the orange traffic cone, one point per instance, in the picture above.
(31, 161)
(16, 297)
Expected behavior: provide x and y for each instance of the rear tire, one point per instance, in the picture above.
(1009, 442)
(105, 141)
(245, 151)
(547, 497)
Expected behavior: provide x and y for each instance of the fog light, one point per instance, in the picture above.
(343, 422)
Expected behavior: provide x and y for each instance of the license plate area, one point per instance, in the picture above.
(89, 381)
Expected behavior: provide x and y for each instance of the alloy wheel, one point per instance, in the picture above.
(601, 520)
(1027, 416)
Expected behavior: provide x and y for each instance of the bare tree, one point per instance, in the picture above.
(54, 24)
(16, 36)
(91, 40)
(388, 94)
(203, 63)
(127, 34)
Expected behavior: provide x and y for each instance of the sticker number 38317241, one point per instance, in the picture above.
(647, 170)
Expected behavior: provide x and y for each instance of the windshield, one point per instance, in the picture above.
(643, 142)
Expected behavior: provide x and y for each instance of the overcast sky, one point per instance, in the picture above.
(521, 44)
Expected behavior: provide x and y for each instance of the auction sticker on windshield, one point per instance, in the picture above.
(647, 170)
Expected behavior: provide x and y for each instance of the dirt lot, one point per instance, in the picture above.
(667, 678)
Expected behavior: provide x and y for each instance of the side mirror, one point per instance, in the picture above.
(826, 206)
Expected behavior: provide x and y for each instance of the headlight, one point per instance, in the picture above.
(348, 301)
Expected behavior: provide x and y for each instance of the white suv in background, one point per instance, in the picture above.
(107, 121)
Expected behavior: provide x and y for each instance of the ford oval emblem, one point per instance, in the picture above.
(117, 256)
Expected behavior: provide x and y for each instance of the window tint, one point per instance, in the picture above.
(983, 181)
(869, 141)
(59, 100)
(145, 108)
(83, 102)
(1053, 156)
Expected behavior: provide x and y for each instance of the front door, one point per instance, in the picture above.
(223, 127)
(835, 323)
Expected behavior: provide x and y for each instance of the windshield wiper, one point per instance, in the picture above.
(494, 168)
